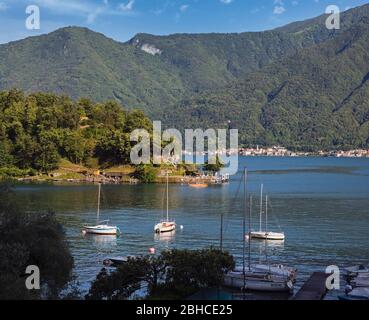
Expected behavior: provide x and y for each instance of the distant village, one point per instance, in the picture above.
(278, 151)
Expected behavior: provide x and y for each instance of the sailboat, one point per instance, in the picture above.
(102, 227)
(266, 235)
(259, 277)
(166, 225)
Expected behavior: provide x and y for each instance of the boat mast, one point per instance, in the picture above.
(244, 227)
(266, 214)
(261, 207)
(98, 204)
(167, 197)
(250, 211)
(266, 232)
(221, 231)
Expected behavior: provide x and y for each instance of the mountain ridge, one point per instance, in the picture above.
(166, 75)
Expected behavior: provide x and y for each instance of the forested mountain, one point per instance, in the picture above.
(317, 98)
(280, 86)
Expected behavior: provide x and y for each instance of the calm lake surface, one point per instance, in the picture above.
(322, 205)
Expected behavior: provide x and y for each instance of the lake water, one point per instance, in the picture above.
(322, 205)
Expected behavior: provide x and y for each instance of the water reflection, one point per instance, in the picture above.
(102, 242)
(324, 214)
(165, 238)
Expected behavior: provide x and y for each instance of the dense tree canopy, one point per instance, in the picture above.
(173, 274)
(31, 239)
(37, 130)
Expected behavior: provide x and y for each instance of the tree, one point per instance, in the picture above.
(173, 274)
(6, 159)
(38, 129)
(118, 285)
(31, 239)
(114, 147)
(216, 167)
(145, 173)
(75, 147)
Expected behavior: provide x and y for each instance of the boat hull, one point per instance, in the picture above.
(267, 235)
(275, 270)
(101, 230)
(165, 227)
(198, 186)
(257, 282)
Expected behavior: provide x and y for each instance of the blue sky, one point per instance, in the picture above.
(122, 19)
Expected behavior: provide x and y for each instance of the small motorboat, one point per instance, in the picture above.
(360, 282)
(117, 261)
(198, 185)
(356, 294)
(356, 270)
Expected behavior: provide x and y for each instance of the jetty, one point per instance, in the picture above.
(314, 288)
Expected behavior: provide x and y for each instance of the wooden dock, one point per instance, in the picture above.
(313, 289)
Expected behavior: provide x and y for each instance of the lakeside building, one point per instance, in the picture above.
(278, 151)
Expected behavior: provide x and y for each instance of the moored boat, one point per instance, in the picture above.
(267, 235)
(117, 261)
(259, 277)
(102, 227)
(198, 185)
(166, 225)
(356, 270)
(257, 281)
(276, 270)
(356, 294)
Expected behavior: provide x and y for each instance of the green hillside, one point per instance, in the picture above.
(317, 98)
(301, 85)
(79, 62)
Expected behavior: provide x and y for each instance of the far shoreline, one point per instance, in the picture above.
(176, 179)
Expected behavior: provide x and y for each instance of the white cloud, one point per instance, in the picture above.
(88, 9)
(226, 1)
(127, 6)
(279, 10)
(3, 6)
(184, 8)
(66, 6)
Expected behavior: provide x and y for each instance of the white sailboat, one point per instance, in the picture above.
(102, 227)
(266, 235)
(166, 225)
(259, 277)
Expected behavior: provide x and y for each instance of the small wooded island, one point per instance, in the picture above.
(48, 137)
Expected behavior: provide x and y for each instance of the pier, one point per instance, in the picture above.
(314, 288)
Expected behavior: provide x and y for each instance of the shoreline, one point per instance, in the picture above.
(126, 179)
